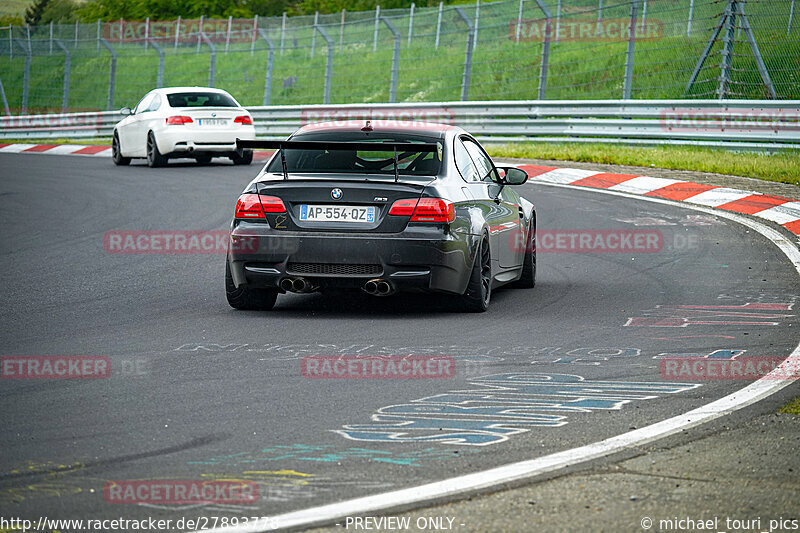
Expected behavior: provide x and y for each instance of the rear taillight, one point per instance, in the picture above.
(425, 210)
(403, 208)
(249, 206)
(272, 204)
(244, 120)
(179, 120)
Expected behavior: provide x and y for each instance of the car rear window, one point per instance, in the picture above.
(200, 99)
(361, 161)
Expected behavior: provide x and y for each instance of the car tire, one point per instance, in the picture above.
(154, 157)
(479, 288)
(245, 159)
(528, 278)
(203, 159)
(246, 298)
(116, 152)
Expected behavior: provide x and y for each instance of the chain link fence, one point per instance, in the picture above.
(509, 50)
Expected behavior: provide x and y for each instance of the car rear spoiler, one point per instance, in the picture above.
(395, 147)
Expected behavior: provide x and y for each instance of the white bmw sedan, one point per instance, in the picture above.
(195, 122)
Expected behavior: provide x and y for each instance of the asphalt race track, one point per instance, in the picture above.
(199, 391)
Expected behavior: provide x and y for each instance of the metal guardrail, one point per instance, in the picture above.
(738, 124)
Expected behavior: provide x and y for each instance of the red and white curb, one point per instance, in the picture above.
(78, 149)
(783, 211)
(55, 149)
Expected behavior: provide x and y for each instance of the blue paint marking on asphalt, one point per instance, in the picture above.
(716, 354)
(325, 453)
(506, 405)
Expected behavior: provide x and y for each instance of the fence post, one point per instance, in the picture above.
(791, 16)
(67, 70)
(377, 23)
(146, 33)
(51, 37)
(283, 30)
(255, 32)
(328, 64)
(599, 18)
(644, 17)
(439, 24)
(545, 49)
(477, 23)
(465, 78)
(76, 34)
(10, 42)
(5, 101)
(395, 60)
(411, 23)
(112, 78)
(121, 28)
(98, 34)
(270, 61)
(519, 22)
(199, 33)
(691, 14)
(558, 20)
(212, 63)
(626, 92)
(727, 49)
(26, 74)
(177, 32)
(160, 78)
(228, 35)
(314, 34)
(341, 31)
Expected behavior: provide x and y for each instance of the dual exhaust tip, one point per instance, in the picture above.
(297, 285)
(378, 287)
(375, 287)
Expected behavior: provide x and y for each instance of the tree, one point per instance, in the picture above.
(33, 14)
(59, 12)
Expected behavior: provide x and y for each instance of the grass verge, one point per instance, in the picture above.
(781, 166)
(792, 408)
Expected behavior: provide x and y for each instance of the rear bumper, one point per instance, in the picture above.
(177, 140)
(416, 259)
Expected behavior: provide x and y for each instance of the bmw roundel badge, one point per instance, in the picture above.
(336, 193)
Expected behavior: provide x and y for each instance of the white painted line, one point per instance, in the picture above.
(16, 148)
(766, 386)
(566, 175)
(643, 184)
(718, 196)
(788, 212)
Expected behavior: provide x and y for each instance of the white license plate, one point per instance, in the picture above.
(337, 213)
(212, 121)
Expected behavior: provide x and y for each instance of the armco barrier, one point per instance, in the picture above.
(742, 124)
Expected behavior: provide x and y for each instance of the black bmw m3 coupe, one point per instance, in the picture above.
(380, 207)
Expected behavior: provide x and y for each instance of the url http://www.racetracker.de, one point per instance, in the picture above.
(146, 525)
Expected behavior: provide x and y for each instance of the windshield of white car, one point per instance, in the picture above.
(409, 162)
(200, 99)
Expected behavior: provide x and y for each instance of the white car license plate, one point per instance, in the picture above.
(212, 121)
(337, 213)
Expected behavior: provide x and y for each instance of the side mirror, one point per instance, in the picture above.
(126, 111)
(512, 176)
